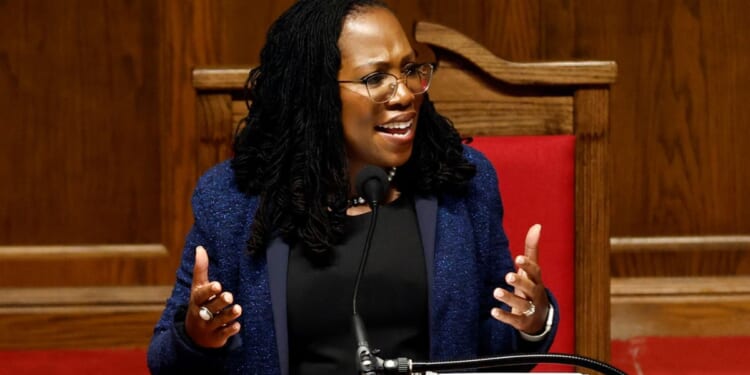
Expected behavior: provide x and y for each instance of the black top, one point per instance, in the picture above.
(392, 299)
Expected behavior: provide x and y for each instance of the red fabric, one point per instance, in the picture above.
(537, 181)
(74, 362)
(643, 355)
(682, 355)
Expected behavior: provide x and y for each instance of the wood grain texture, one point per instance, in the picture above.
(102, 141)
(678, 115)
(216, 127)
(592, 222)
(692, 306)
(553, 73)
(82, 251)
(507, 28)
(83, 296)
(480, 106)
(212, 79)
(76, 76)
(679, 244)
(88, 317)
(680, 256)
(78, 328)
(80, 94)
(83, 133)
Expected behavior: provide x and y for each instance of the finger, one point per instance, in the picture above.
(532, 242)
(516, 303)
(523, 286)
(205, 294)
(200, 269)
(221, 302)
(522, 323)
(228, 316)
(217, 336)
(225, 332)
(508, 318)
(529, 269)
(515, 317)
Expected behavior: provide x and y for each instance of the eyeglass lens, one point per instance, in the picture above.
(382, 87)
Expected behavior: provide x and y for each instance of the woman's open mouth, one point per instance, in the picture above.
(396, 129)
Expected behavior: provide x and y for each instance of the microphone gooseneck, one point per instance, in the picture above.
(515, 360)
(372, 184)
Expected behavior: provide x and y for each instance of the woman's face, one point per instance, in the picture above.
(380, 134)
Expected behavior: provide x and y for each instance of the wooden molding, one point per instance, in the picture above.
(211, 78)
(674, 256)
(81, 251)
(550, 73)
(83, 296)
(679, 243)
(86, 317)
(680, 306)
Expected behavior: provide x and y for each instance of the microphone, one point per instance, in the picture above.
(372, 184)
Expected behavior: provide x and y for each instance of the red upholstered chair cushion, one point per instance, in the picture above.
(537, 183)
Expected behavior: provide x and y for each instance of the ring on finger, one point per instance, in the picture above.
(531, 310)
(206, 314)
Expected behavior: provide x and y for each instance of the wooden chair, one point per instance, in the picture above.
(561, 106)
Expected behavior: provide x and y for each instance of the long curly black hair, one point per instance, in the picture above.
(291, 151)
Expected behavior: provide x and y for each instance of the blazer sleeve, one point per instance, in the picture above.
(497, 262)
(171, 351)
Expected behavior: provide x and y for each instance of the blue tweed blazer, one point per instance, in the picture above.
(465, 249)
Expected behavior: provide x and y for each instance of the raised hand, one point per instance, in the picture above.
(529, 302)
(211, 316)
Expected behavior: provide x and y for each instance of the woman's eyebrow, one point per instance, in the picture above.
(384, 64)
(409, 58)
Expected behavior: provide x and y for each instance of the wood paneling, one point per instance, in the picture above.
(101, 162)
(77, 76)
(101, 147)
(680, 256)
(86, 317)
(678, 119)
(680, 306)
(82, 131)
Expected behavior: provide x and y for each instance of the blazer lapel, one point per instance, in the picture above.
(278, 261)
(426, 208)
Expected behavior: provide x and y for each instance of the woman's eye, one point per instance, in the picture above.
(376, 79)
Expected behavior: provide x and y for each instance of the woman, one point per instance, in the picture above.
(268, 269)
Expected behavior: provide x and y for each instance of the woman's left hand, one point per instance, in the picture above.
(529, 302)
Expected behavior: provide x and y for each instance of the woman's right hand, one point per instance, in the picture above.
(215, 332)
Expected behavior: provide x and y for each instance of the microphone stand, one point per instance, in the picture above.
(513, 360)
(369, 364)
(373, 185)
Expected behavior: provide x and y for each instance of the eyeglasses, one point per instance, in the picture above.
(383, 86)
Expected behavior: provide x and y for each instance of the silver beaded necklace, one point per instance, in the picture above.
(358, 201)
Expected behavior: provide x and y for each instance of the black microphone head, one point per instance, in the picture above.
(372, 183)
